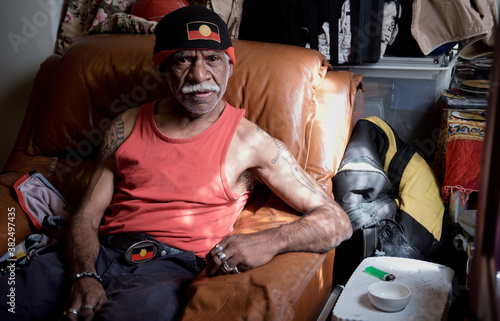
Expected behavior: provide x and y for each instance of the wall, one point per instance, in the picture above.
(27, 36)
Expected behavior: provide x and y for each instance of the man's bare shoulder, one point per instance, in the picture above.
(124, 122)
(255, 143)
(129, 117)
(118, 131)
(251, 135)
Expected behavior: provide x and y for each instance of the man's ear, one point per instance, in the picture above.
(230, 69)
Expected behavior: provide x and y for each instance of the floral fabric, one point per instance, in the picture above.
(85, 17)
(99, 16)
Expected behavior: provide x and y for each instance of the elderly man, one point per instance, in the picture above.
(173, 177)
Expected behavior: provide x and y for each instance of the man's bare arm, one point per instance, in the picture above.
(82, 241)
(323, 225)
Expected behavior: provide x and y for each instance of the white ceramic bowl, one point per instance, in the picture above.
(389, 296)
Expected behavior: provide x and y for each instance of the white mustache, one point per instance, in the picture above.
(188, 89)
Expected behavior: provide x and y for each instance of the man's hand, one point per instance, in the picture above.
(243, 251)
(87, 297)
(319, 230)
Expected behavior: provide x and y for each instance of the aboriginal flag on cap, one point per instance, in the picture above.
(191, 27)
(203, 30)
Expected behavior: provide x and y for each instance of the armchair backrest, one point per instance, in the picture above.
(100, 76)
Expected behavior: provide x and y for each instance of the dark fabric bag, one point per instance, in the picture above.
(390, 194)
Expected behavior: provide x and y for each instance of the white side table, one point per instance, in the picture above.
(430, 285)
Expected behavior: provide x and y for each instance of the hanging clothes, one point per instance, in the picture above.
(231, 12)
(438, 22)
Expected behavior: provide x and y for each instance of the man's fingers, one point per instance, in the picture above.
(72, 311)
(100, 303)
(216, 258)
(71, 314)
(87, 298)
(224, 257)
(87, 312)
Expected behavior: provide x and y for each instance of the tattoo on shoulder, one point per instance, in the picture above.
(260, 130)
(113, 138)
(296, 170)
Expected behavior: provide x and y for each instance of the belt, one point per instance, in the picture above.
(142, 248)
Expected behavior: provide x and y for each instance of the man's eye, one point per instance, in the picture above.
(213, 58)
(181, 60)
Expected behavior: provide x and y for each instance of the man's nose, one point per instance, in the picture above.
(199, 71)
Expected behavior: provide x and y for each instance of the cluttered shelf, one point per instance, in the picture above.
(457, 165)
(457, 160)
(470, 85)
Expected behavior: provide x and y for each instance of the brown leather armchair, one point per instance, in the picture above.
(289, 91)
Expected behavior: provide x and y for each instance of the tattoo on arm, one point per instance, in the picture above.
(113, 138)
(296, 170)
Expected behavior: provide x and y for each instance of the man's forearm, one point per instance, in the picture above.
(82, 245)
(319, 230)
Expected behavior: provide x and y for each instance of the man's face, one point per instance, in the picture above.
(198, 78)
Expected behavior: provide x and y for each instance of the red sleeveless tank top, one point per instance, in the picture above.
(176, 189)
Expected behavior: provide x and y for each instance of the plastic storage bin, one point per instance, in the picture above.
(405, 93)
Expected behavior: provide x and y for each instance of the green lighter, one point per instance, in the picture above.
(380, 274)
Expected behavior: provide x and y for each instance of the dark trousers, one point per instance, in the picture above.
(150, 291)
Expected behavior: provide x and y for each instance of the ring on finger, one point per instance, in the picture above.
(72, 310)
(225, 267)
(235, 270)
(218, 247)
(88, 306)
(221, 255)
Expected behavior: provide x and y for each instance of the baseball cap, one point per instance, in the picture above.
(191, 27)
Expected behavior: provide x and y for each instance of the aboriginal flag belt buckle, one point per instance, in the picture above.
(141, 252)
